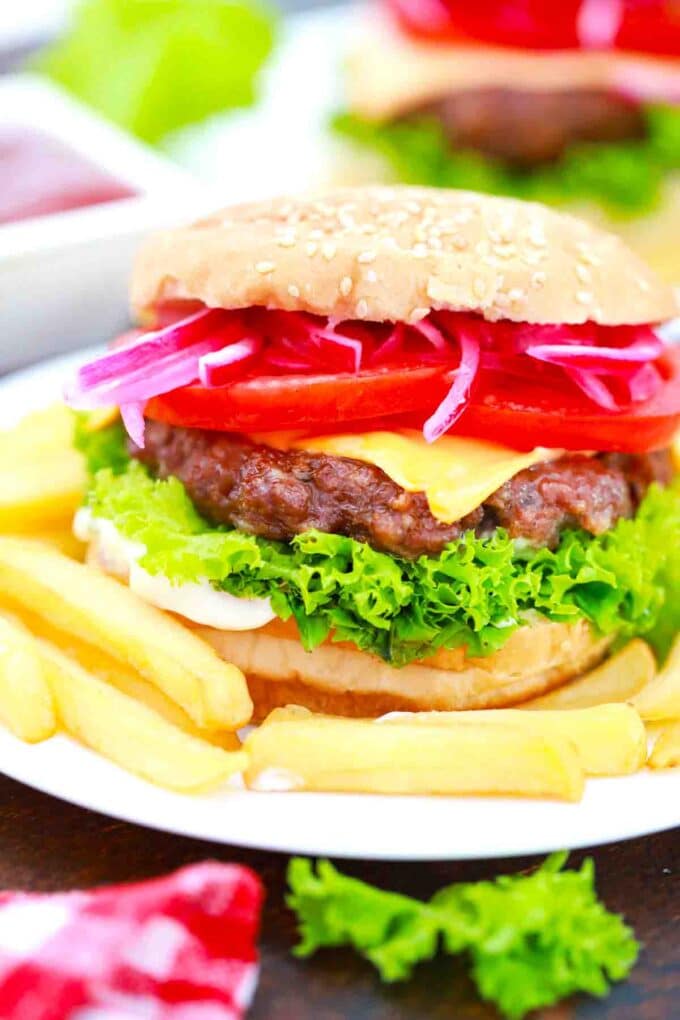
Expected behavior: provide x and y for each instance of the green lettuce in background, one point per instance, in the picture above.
(475, 593)
(624, 177)
(154, 66)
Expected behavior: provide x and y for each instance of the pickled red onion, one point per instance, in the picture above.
(133, 420)
(453, 404)
(217, 347)
(598, 23)
(211, 367)
(647, 347)
(594, 388)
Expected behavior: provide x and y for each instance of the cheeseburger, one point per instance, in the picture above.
(576, 106)
(392, 448)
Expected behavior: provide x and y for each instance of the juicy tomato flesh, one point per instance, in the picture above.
(532, 414)
(270, 403)
(651, 26)
(521, 413)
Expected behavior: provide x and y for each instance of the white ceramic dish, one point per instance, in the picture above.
(62, 273)
(395, 828)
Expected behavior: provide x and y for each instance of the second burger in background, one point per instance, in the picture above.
(576, 106)
(392, 447)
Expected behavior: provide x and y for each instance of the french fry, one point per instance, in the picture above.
(130, 733)
(96, 661)
(610, 739)
(660, 698)
(37, 435)
(26, 705)
(61, 538)
(618, 678)
(324, 753)
(666, 751)
(41, 493)
(98, 610)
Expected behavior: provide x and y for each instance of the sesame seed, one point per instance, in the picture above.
(328, 250)
(346, 285)
(643, 284)
(583, 273)
(371, 276)
(584, 297)
(366, 256)
(315, 235)
(516, 294)
(536, 237)
(478, 288)
(311, 248)
(286, 240)
(265, 267)
(362, 309)
(293, 290)
(587, 255)
(420, 251)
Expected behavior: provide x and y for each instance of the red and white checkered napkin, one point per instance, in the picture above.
(175, 948)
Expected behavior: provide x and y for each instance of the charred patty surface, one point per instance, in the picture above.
(525, 129)
(278, 494)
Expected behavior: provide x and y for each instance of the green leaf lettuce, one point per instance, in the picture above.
(532, 940)
(476, 593)
(153, 66)
(625, 177)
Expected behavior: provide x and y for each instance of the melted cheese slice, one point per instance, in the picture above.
(456, 473)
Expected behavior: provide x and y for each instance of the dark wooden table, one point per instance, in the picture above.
(46, 844)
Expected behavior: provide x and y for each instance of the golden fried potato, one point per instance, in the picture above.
(325, 753)
(609, 739)
(126, 679)
(619, 678)
(131, 734)
(41, 492)
(96, 609)
(666, 752)
(37, 436)
(660, 698)
(26, 704)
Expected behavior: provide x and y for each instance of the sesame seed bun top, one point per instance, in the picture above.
(396, 253)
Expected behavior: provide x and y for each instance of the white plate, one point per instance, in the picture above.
(396, 828)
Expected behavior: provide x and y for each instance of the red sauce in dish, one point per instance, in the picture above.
(40, 175)
(651, 26)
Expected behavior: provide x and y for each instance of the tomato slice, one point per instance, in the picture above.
(651, 26)
(521, 413)
(528, 414)
(269, 403)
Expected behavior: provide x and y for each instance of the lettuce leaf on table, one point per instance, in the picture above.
(153, 66)
(476, 593)
(531, 939)
(625, 177)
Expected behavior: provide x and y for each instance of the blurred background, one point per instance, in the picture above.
(120, 116)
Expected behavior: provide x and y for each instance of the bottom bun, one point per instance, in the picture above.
(341, 680)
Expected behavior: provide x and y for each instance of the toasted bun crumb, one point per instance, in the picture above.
(395, 253)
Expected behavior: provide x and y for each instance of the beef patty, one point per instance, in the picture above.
(525, 129)
(278, 494)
